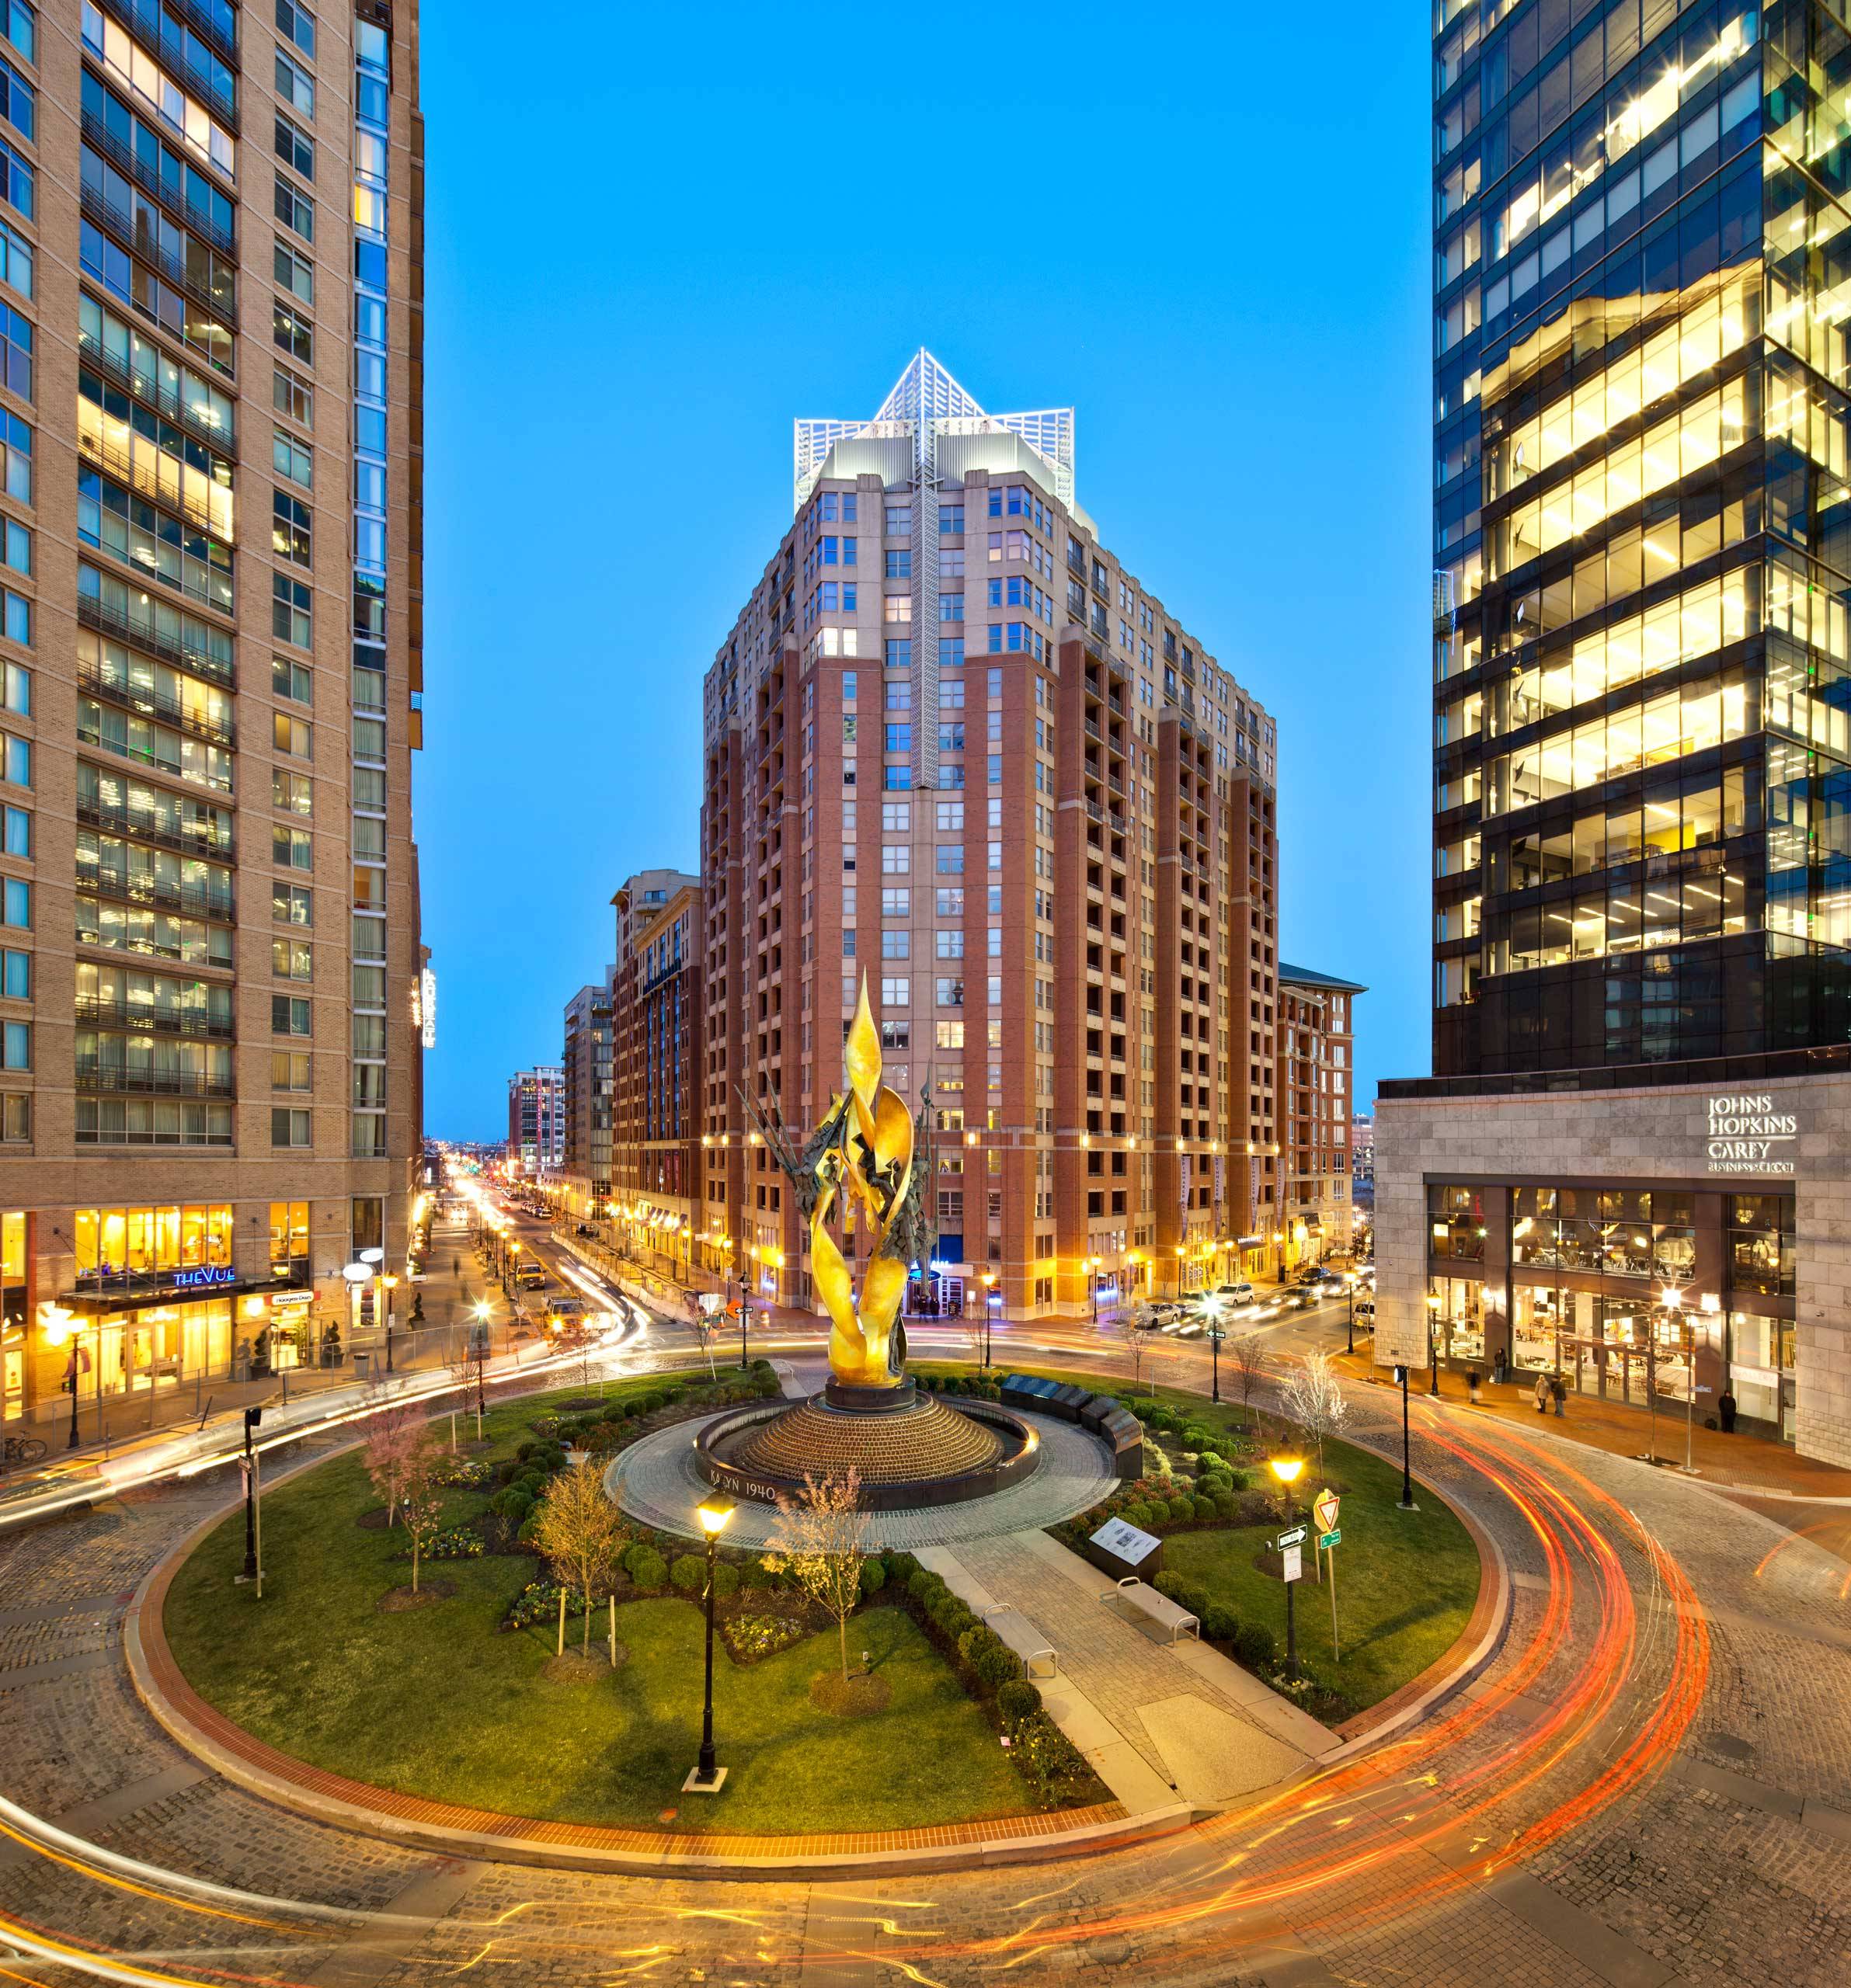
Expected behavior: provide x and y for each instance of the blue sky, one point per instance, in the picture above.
(650, 251)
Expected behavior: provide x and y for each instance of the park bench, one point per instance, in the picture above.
(1039, 1660)
(1159, 1609)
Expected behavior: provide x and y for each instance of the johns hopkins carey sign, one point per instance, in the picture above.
(1750, 1132)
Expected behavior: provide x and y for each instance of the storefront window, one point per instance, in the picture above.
(1455, 1223)
(1459, 1318)
(289, 1239)
(1534, 1319)
(1761, 1243)
(122, 1243)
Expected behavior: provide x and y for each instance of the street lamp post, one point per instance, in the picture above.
(1214, 1335)
(1092, 1281)
(1286, 1470)
(990, 1298)
(389, 1285)
(1350, 1285)
(1433, 1338)
(252, 1417)
(1407, 1503)
(715, 1514)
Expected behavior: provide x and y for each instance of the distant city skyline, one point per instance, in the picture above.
(698, 333)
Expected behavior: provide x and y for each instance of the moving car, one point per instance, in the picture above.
(529, 1276)
(1240, 1293)
(1366, 1311)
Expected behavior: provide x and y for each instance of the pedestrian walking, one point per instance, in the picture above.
(1541, 1394)
(1725, 1409)
(1559, 1390)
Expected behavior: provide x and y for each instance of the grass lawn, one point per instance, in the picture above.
(437, 1702)
(1406, 1583)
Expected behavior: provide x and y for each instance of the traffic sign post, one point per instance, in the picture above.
(1324, 1508)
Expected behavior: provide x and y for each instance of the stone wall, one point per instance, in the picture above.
(1637, 1136)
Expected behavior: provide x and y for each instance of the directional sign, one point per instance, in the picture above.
(1295, 1537)
(1295, 1566)
(1323, 1509)
(1327, 1540)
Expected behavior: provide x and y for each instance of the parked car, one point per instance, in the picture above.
(1240, 1293)
(1366, 1311)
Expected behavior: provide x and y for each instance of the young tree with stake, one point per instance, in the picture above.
(420, 1498)
(1313, 1397)
(821, 1542)
(579, 1531)
(391, 1435)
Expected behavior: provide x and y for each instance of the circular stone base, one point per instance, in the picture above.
(920, 1449)
(658, 1482)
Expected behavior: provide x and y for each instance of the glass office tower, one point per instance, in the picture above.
(1642, 806)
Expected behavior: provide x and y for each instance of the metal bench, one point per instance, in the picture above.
(1156, 1608)
(1039, 1660)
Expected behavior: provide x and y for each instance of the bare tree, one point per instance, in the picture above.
(420, 1498)
(579, 1530)
(973, 1336)
(1247, 1351)
(391, 1435)
(821, 1542)
(703, 1327)
(1313, 1397)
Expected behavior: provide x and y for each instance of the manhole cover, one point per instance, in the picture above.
(1727, 1744)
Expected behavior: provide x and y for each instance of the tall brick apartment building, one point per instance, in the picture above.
(656, 1010)
(211, 335)
(954, 746)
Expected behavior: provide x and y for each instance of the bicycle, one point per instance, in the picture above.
(21, 1450)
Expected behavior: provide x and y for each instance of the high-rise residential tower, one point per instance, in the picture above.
(954, 748)
(1628, 1168)
(536, 1119)
(212, 313)
(586, 1168)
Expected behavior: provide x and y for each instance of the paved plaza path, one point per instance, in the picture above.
(1650, 1784)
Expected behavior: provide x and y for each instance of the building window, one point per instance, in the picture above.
(289, 1127)
(294, 208)
(290, 1015)
(295, 86)
(290, 611)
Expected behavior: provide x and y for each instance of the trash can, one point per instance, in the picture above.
(363, 1365)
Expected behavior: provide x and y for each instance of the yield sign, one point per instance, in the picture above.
(1323, 1509)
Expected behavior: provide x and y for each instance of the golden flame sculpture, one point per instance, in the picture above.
(868, 1167)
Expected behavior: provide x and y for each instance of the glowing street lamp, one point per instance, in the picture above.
(715, 1514)
(1287, 1470)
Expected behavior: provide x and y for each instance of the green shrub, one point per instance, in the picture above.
(671, 1396)
(923, 1587)
(874, 1575)
(1137, 1513)
(767, 1385)
(977, 1641)
(901, 1567)
(526, 1449)
(1184, 1592)
(726, 1580)
(1209, 1463)
(752, 1575)
(1219, 1623)
(648, 1571)
(1226, 1505)
(1159, 1511)
(530, 1529)
(1256, 1647)
(512, 1504)
(1202, 1508)
(688, 1573)
(1017, 1700)
(949, 1617)
(995, 1668)
(1051, 1764)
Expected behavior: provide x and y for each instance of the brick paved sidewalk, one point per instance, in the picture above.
(1744, 1463)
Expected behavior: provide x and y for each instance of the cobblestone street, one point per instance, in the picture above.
(1651, 1783)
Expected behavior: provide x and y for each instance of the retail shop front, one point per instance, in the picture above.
(1626, 1292)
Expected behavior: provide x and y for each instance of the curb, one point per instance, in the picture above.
(559, 1845)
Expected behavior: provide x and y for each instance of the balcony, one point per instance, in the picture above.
(129, 162)
(154, 703)
(116, 1013)
(208, 901)
(106, 214)
(171, 403)
(145, 826)
(94, 613)
(142, 18)
(101, 1074)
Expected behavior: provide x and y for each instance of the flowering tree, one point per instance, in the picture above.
(391, 1436)
(1313, 1397)
(821, 1542)
(420, 1498)
(579, 1530)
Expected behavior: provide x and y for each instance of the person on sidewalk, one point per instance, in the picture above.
(1725, 1410)
(1541, 1394)
(1558, 1387)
